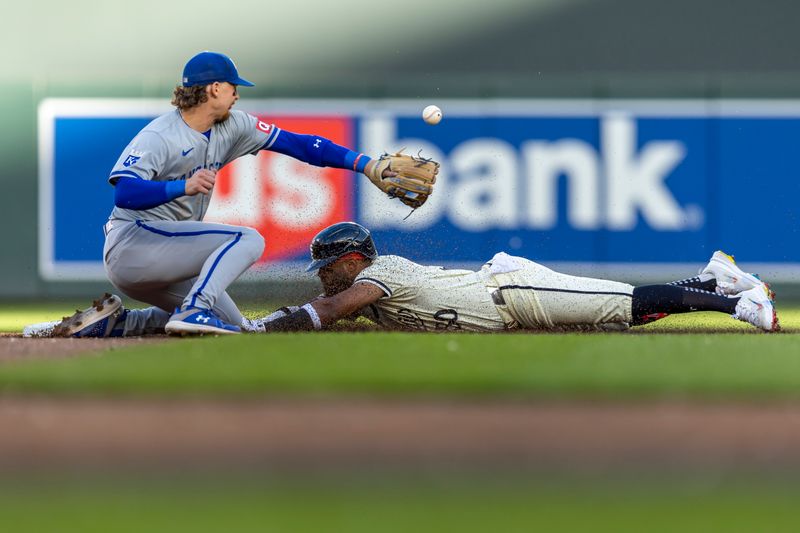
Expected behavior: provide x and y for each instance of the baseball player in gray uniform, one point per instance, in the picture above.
(158, 249)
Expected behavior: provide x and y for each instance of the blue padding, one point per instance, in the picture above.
(176, 189)
(315, 150)
(355, 161)
(134, 193)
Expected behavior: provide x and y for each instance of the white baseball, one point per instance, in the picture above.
(432, 115)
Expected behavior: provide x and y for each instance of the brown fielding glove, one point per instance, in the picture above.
(410, 178)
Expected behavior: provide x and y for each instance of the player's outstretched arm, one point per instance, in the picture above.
(318, 151)
(323, 312)
(407, 178)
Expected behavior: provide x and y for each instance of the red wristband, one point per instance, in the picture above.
(355, 163)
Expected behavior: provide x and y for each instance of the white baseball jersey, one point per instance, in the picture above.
(430, 298)
(507, 293)
(168, 149)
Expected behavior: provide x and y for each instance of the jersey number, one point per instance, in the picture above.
(446, 320)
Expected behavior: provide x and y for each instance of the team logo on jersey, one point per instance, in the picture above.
(132, 158)
(263, 126)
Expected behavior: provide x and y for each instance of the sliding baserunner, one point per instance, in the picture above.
(507, 293)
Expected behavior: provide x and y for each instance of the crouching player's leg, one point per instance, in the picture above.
(188, 265)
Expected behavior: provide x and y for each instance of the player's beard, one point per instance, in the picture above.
(333, 285)
(224, 117)
(332, 288)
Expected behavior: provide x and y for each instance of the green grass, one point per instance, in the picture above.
(736, 362)
(399, 507)
(544, 366)
(14, 316)
(719, 323)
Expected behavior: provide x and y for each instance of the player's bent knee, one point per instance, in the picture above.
(253, 242)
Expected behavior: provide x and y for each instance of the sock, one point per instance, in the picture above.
(651, 299)
(704, 282)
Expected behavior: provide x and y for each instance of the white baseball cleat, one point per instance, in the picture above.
(755, 307)
(731, 279)
(95, 321)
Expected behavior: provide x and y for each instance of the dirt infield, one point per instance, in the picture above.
(41, 433)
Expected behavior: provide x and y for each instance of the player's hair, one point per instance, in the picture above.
(188, 97)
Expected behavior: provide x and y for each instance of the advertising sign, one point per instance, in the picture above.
(625, 188)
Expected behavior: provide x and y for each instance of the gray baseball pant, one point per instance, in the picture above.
(171, 264)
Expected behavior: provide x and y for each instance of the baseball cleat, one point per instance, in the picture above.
(755, 307)
(95, 321)
(731, 280)
(195, 321)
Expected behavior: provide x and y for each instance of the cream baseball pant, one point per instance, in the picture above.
(529, 295)
(171, 264)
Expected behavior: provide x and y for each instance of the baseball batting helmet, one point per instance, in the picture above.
(339, 240)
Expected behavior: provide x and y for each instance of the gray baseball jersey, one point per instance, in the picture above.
(165, 255)
(168, 149)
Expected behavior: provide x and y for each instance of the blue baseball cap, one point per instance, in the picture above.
(208, 67)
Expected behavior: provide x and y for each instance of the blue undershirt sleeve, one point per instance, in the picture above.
(318, 151)
(133, 193)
